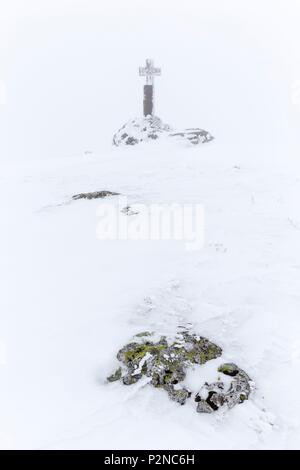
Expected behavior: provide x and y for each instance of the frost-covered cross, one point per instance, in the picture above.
(149, 72)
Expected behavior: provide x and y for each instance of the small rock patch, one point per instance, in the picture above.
(94, 195)
(213, 396)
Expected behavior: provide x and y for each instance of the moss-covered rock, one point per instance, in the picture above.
(167, 363)
(115, 376)
(166, 372)
(229, 369)
(130, 379)
(199, 349)
(132, 353)
(179, 395)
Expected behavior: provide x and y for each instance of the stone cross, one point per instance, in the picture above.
(149, 72)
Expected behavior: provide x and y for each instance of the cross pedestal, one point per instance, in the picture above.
(149, 72)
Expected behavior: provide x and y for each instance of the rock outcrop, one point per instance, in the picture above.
(152, 128)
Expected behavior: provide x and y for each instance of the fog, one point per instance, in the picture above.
(69, 71)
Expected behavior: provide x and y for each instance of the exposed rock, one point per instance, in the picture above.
(166, 364)
(115, 376)
(204, 407)
(152, 128)
(179, 395)
(213, 396)
(198, 349)
(94, 195)
(130, 379)
(229, 369)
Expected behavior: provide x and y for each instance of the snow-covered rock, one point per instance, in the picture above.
(152, 127)
(215, 395)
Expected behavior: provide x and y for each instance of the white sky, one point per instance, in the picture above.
(69, 69)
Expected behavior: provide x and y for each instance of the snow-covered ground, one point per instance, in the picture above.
(69, 300)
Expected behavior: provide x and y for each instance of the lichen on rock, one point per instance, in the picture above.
(229, 369)
(165, 364)
(178, 395)
(199, 350)
(115, 376)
